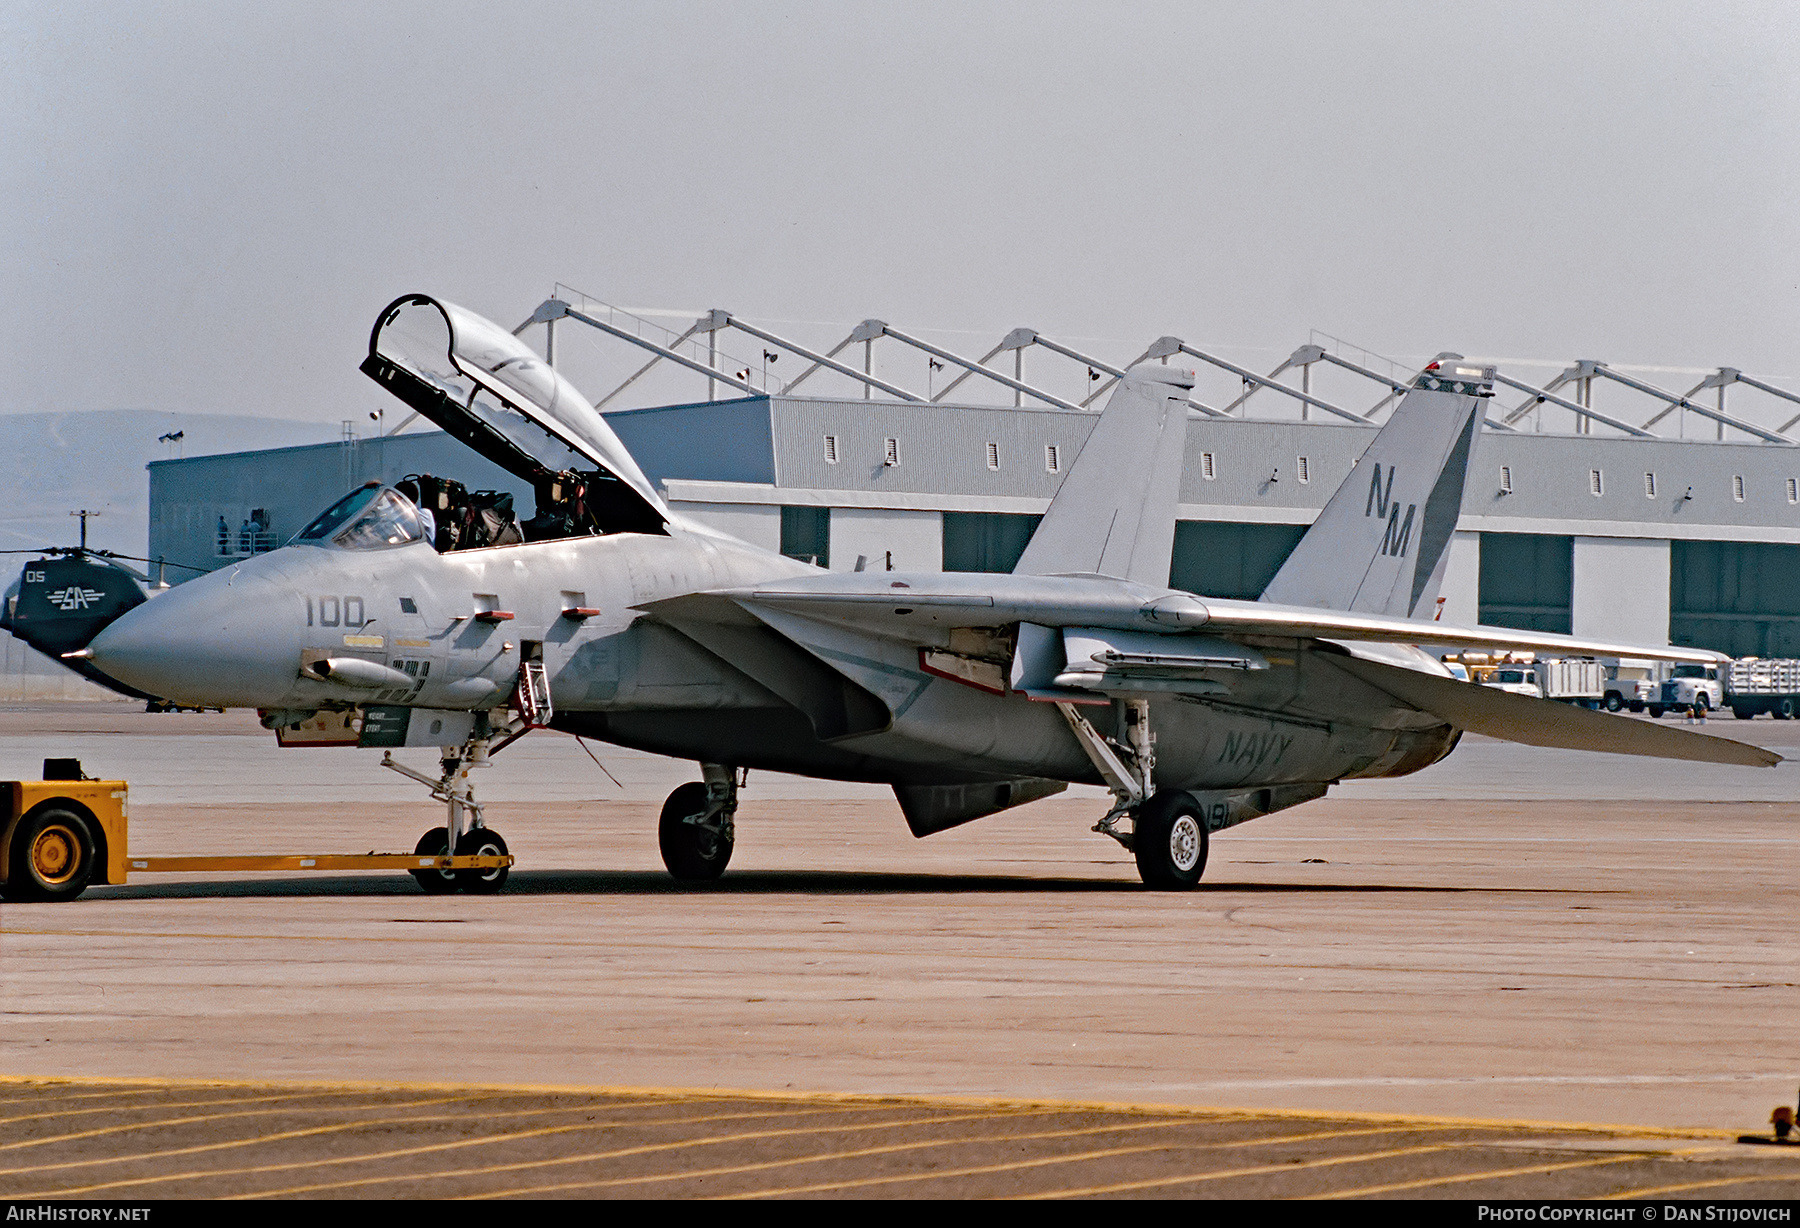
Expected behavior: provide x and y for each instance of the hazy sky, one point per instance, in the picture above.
(206, 204)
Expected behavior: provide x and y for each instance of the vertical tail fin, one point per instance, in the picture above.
(1381, 543)
(1115, 513)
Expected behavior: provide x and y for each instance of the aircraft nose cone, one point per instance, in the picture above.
(217, 641)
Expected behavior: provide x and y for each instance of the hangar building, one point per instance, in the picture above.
(1575, 518)
(1637, 539)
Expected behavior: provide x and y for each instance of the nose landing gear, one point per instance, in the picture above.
(464, 834)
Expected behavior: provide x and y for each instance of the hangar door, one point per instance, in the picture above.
(1223, 559)
(1527, 581)
(1212, 558)
(1737, 597)
(986, 541)
(806, 534)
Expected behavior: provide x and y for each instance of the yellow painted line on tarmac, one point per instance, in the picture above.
(1153, 1108)
(115, 1091)
(819, 1158)
(422, 1149)
(1227, 1173)
(184, 1104)
(1714, 1184)
(622, 1152)
(1490, 1175)
(897, 1147)
(177, 1121)
(242, 1142)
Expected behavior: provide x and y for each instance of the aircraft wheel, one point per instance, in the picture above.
(1169, 841)
(434, 843)
(689, 850)
(52, 857)
(480, 842)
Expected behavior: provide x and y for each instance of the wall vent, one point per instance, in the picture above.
(1052, 459)
(890, 455)
(1737, 487)
(1208, 469)
(1596, 483)
(831, 452)
(1794, 490)
(1304, 468)
(1649, 485)
(993, 456)
(1506, 479)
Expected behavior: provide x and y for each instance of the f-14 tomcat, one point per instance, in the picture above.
(608, 616)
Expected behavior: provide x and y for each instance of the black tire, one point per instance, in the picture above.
(479, 842)
(1784, 711)
(690, 852)
(1701, 704)
(1169, 841)
(52, 856)
(1743, 713)
(1637, 705)
(1656, 711)
(1613, 701)
(434, 843)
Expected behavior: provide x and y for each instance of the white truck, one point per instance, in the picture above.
(1690, 688)
(1756, 685)
(1514, 680)
(1632, 684)
(1573, 682)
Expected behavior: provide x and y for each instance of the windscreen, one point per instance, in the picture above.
(367, 519)
(332, 518)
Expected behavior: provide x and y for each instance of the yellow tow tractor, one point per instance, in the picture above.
(61, 833)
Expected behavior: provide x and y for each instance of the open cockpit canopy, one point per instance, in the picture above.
(490, 390)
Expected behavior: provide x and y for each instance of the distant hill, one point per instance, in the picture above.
(54, 464)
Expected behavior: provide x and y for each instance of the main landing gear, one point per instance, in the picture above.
(1169, 835)
(464, 832)
(696, 830)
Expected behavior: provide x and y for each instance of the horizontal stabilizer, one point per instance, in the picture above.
(1544, 722)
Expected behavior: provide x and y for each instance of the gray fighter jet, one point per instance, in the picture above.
(412, 615)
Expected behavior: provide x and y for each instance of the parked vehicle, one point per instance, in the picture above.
(1514, 680)
(1633, 685)
(1572, 682)
(1755, 685)
(1691, 688)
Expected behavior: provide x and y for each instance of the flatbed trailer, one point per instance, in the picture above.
(1755, 685)
(61, 834)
